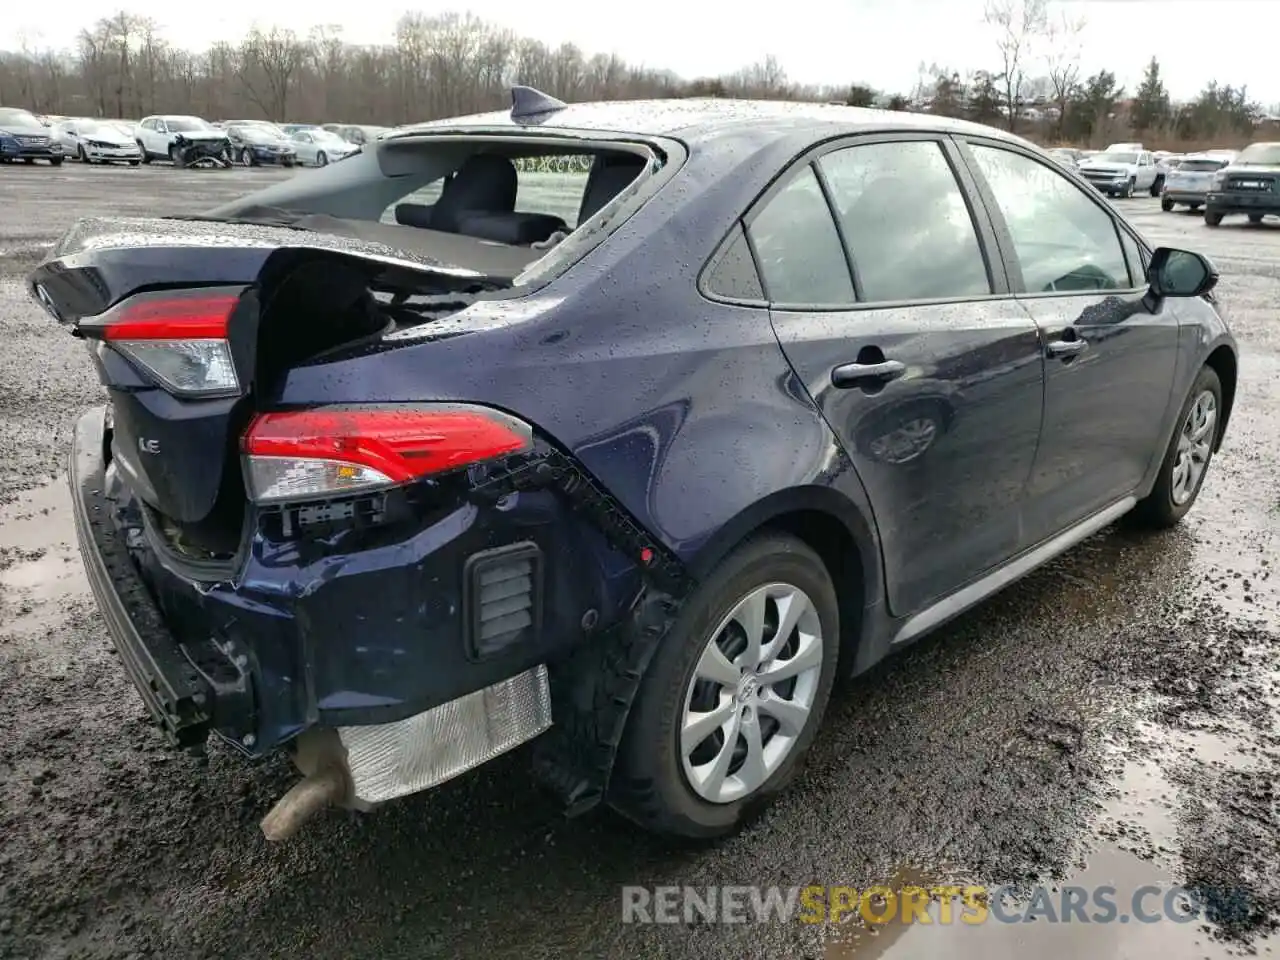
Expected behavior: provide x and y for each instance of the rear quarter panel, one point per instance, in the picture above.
(685, 409)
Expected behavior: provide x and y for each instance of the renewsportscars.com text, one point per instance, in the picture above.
(910, 904)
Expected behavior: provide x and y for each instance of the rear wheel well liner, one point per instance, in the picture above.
(834, 528)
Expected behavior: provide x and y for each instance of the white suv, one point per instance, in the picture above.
(157, 135)
(1123, 169)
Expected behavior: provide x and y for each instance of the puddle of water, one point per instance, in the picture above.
(1067, 940)
(39, 559)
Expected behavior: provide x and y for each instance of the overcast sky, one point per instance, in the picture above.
(878, 42)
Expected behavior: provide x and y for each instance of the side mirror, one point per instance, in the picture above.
(1180, 273)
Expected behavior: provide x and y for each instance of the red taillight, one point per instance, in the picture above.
(179, 339)
(306, 454)
(172, 318)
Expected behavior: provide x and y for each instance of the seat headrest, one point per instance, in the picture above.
(609, 176)
(485, 182)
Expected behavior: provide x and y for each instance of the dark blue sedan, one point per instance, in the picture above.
(627, 427)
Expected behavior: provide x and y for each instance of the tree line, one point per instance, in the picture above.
(456, 63)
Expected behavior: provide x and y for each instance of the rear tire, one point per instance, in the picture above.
(56, 161)
(84, 154)
(1157, 186)
(1166, 204)
(1255, 218)
(671, 787)
(1186, 461)
(146, 157)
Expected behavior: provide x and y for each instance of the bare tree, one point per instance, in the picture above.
(1062, 50)
(269, 64)
(1018, 24)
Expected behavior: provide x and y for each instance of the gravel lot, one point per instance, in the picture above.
(1112, 719)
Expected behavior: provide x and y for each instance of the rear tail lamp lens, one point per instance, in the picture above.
(327, 452)
(179, 340)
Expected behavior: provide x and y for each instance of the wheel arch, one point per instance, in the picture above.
(1222, 360)
(835, 528)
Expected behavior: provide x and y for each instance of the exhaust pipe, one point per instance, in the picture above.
(304, 800)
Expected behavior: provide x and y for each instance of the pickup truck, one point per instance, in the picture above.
(1121, 173)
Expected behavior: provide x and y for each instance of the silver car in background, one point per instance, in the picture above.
(317, 147)
(96, 141)
(1190, 180)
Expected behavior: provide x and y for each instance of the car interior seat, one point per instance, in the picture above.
(485, 183)
(609, 176)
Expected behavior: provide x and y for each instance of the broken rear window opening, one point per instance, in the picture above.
(489, 204)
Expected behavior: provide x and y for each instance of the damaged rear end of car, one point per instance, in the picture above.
(384, 582)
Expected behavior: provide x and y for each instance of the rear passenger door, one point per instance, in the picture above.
(892, 307)
(1109, 360)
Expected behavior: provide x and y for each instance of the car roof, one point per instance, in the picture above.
(697, 118)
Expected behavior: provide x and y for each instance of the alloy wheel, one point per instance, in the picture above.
(752, 693)
(1195, 444)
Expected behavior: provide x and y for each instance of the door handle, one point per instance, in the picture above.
(866, 374)
(1065, 349)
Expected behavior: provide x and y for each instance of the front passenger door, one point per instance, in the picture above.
(1109, 360)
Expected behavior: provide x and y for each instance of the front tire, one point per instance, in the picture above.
(246, 157)
(1186, 461)
(146, 157)
(321, 159)
(1212, 218)
(1166, 204)
(56, 161)
(1156, 186)
(734, 695)
(1255, 218)
(1128, 190)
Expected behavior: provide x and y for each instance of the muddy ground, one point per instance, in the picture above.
(1112, 719)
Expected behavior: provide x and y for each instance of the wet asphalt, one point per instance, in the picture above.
(1110, 720)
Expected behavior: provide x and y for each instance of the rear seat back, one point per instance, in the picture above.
(609, 176)
(517, 229)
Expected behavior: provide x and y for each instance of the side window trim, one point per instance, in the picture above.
(985, 226)
(805, 164)
(1004, 237)
(825, 186)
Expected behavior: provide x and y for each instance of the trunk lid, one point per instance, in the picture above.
(186, 319)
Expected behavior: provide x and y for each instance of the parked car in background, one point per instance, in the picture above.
(23, 137)
(255, 145)
(319, 147)
(291, 128)
(332, 127)
(1166, 163)
(1120, 173)
(1189, 184)
(1069, 157)
(361, 133)
(128, 127)
(1248, 184)
(262, 124)
(158, 135)
(96, 141)
(359, 482)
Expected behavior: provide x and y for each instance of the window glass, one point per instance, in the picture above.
(906, 222)
(798, 248)
(1063, 239)
(733, 272)
(1133, 253)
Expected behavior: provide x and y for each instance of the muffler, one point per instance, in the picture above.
(321, 758)
(304, 800)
